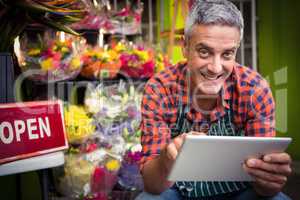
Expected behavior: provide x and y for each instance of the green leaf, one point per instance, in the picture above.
(64, 19)
(58, 10)
(16, 14)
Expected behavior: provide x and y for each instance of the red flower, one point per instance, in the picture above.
(102, 180)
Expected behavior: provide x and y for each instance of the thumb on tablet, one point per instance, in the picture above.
(172, 151)
(178, 141)
(196, 133)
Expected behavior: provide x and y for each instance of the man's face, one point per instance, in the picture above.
(210, 51)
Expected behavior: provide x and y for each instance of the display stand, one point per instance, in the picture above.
(41, 163)
(36, 163)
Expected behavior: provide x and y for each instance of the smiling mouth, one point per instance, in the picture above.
(212, 78)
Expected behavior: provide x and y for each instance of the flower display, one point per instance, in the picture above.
(101, 16)
(92, 161)
(100, 63)
(116, 111)
(91, 167)
(54, 61)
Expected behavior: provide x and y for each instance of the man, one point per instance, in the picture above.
(209, 94)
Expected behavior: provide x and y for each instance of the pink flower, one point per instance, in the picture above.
(133, 157)
(124, 12)
(148, 69)
(137, 17)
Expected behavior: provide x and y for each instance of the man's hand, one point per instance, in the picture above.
(170, 152)
(270, 173)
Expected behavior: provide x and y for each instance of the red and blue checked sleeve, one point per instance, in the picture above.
(155, 131)
(261, 114)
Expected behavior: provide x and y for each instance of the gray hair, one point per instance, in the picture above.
(214, 12)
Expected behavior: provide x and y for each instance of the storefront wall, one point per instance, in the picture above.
(278, 60)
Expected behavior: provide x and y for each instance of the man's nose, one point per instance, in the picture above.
(215, 66)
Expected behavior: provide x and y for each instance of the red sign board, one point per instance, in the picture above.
(31, 129)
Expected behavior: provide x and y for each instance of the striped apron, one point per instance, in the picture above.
(223, 126)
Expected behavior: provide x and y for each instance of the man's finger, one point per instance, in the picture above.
(283, 158)
(283, 169)
(266, 184)
(266, 176)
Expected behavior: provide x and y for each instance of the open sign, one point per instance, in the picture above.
(31, 129)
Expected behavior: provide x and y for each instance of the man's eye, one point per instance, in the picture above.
(228, 55)
(203, 53)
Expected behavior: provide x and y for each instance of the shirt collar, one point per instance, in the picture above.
(183, 83)
(228, 87)
(226, 92)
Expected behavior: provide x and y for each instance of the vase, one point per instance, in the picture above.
(6, 78)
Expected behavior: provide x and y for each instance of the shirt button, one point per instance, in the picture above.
(204, 127)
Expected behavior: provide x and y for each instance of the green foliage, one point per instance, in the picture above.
(15, 15)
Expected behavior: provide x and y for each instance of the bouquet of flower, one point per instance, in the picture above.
(129, 176)
(116, 112)
(96, 16)
(137, 62)
(78, 124)
(54, 61)
(90, 169)
(116, 108)
(100, 63)
(92, 161)
(127, 20)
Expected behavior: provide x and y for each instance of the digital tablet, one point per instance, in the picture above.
(220, 158)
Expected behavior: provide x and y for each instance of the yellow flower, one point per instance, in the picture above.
(98, 53)
(75, 63)
(160, 57)
(34, 52)
(47, 64)
(54, 48)
(120, 47)
(78, 124)
(144, 55)
(88, 52)
(113, 55)
(105, 55)
(112, 165)
(159, 66)
(64, 49)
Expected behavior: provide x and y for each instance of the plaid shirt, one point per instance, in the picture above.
(252, 104)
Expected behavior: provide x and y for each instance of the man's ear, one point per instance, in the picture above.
(184, 47)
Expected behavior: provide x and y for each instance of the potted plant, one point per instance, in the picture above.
(15, 15)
